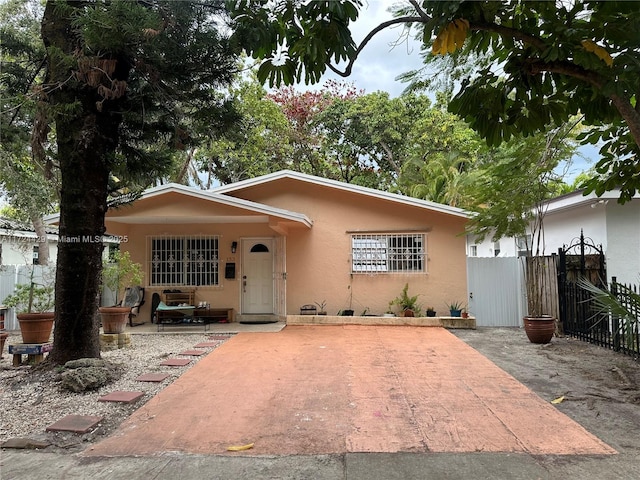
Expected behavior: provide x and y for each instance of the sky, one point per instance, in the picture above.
(384, 58)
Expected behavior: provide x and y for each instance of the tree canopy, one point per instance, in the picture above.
(126, 84)
(535, 64)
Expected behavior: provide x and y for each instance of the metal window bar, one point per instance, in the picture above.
(183, 260)
(388, 253)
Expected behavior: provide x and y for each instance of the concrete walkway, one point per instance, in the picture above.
(310, 390)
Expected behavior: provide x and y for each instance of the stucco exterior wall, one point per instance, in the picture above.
(560, 228)
(623, 244)
(227, 293)
(19, 251)
(319, 260)
(486, 247)
(563, 227)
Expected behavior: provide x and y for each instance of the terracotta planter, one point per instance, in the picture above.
(408, 312)
(114, 319)
(540, 329)
(36, 327)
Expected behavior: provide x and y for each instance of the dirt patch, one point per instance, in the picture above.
(600, 387)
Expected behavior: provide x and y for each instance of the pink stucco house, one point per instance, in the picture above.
(271, 244)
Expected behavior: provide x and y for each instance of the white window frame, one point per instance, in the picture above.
(523, 245)
(181, 260)
(389, 253)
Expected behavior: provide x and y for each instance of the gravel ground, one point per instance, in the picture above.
(32, 399)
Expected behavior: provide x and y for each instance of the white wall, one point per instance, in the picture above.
(486, 248)
(19, 251)
(562, 228)
(623, 248)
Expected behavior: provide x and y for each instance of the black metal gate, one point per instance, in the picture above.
(578, 316)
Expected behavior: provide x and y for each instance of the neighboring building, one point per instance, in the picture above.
(19, 245)
(602, 220)
(271, 244)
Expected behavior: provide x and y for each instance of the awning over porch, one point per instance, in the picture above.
(173, 204)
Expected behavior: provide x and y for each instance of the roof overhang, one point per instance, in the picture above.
(578, 199)
(251, 212)
(311, 179)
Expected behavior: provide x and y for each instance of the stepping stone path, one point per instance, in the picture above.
(122, 397)
(206, 344)
(84, 423)
(193, 353)
(152, 377)
(75, 424)
(176, 362)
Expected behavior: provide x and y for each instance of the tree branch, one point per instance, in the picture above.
(367, 39)
(509, 32)
(622, 104)
(536, 66)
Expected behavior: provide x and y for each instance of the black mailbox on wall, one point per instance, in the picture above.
(230, 271)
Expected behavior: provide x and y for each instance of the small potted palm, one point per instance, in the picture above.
(118, 273)
(322, 307)
(409, 306)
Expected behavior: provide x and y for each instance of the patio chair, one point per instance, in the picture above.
(134, 298)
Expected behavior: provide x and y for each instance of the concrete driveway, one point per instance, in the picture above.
(344, 389)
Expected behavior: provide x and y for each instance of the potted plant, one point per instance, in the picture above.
(409, 306)
(431, 312)
(530, 170)
(322, 306)
(117, 274)
(349, 311)
(455, 308)
(34, 305)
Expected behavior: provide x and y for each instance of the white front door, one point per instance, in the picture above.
(257, 275)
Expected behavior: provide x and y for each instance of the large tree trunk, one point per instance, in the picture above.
(87, 140)
(83, 204)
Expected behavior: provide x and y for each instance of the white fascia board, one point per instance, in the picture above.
(578, 199)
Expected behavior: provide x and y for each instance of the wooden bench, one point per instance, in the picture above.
(214, 314)
(189, 315)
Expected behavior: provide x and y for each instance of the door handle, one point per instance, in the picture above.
(244, 284)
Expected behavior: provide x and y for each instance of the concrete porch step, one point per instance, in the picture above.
(256, 318)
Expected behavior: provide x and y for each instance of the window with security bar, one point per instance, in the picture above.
(183, 260)
(405, 253)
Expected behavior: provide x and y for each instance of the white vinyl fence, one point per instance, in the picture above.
(497, 297)
(12, 275)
